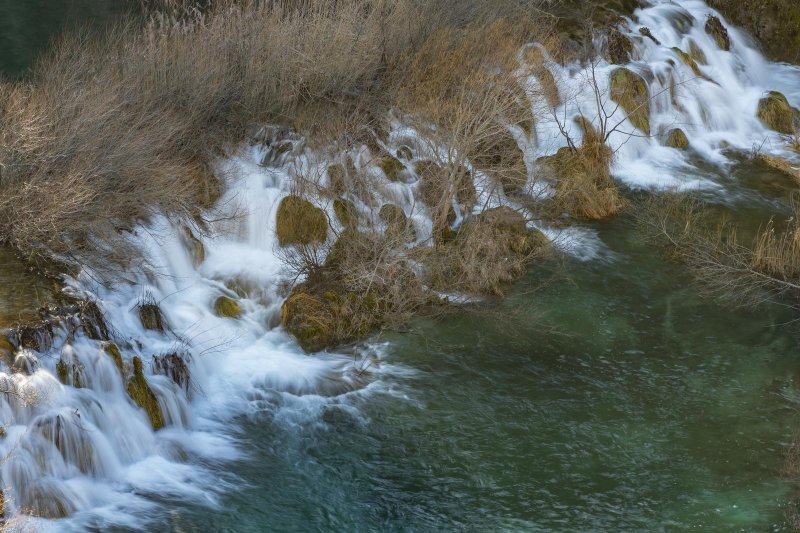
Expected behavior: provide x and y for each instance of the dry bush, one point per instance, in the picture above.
(743, 271)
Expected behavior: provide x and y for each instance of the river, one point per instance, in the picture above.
(616, 397)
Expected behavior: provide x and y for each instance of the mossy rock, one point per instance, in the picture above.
(69, 374)
(629, 90)
(397, 226)
(346, 212)
(645, 32)
(590, 133)
(696, 53)
(719, 32)
(500, 156)
(392, 167)
(310, 319)
(688, 61)
(141, 393)
(300, 222)
(676, 138)
(113, 351)
(337, 184)
(776, 113)
(150, 316)
(505, 221)
(227, 307)
(781, 165)
(618, 48)
(437, 181)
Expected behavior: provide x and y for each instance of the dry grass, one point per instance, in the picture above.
(109, 131)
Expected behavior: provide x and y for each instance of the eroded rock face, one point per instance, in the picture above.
(300, 222)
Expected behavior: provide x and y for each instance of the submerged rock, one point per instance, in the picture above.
(719, 32)
(300, 222)
(227, 307)
(630, 91)
(676, 138)
(776, 113)
(141, 393)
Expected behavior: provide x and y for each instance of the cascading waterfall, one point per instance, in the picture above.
(87, 452)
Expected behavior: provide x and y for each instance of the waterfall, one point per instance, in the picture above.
(78, 448)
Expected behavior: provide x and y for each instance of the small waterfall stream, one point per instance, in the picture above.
(86, 452)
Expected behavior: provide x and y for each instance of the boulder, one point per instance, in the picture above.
(112, 350)
(618, 48)
(300, 222)
(630, 91)
(776, 113)
(676, 138)
(227, 307)
(392, 167)
(346, 212)
(150, 316)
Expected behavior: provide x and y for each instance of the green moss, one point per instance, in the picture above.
(619, 48)
(227, 307)
(143, 396)
(113, 351)
(346, 212)
(300, 222)
(676, 138)
(719, 32)
(776, 113)
(629, 90)
(392, 167)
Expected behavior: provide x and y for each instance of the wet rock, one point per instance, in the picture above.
(645, 31)
(195, 246)
(781, 165)
(141, 393)
(776, 113)
(689, 61)
(696, 53)
(300, 222)
(404, 152)
(630, 91)
(6, 349)
(392, 167)
(676, 138)
(150, 316)
(92, 321)
(173, 365)
(227, 307)
(719, 32)
(70, 373)
(538, 65)
(618, 48)
(113, 351)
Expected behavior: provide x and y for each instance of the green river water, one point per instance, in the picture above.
(616, 399)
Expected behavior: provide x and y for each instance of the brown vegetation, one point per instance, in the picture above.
(776, 113)
(775, 23)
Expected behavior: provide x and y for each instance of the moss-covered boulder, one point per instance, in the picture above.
(70, 374)
(112, 350)
(629, 90)
(781, 165)
(143, 396)
(776, 113)
(227, 307)
(346, 212)
(696, 53)
(715, 29)
(676, 138)
(392, 167)
(6, 349)
(150, 316)
(324, 311)
(300, 222)
(618, 48)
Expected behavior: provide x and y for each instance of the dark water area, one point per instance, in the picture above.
(27, 27)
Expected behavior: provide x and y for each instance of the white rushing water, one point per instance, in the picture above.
(90, 453)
